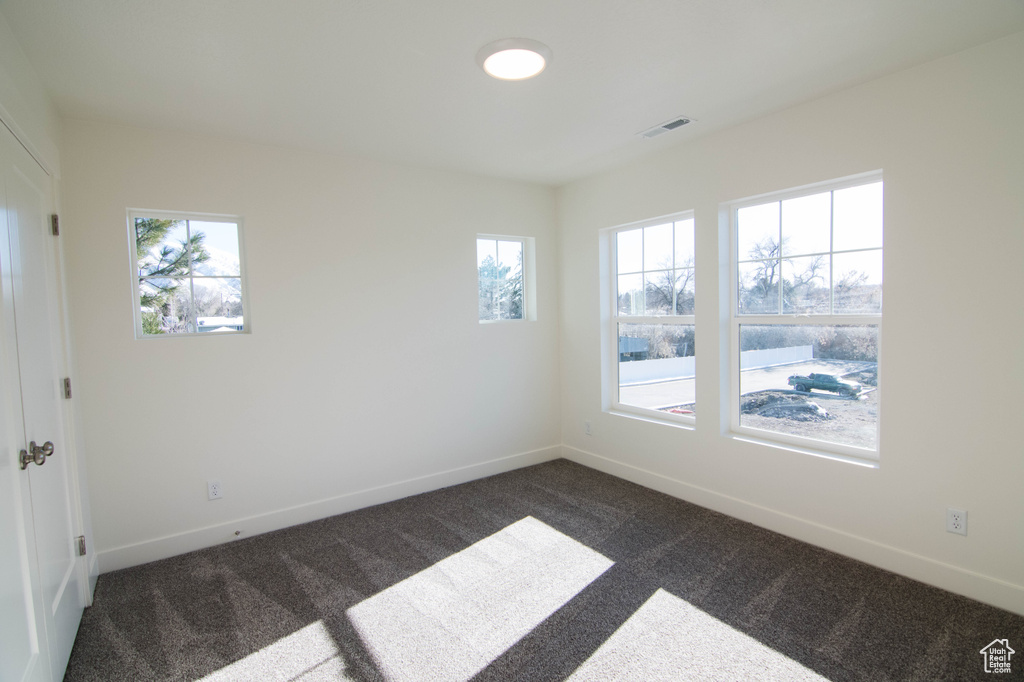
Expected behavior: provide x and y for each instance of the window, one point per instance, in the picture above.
(505, 278)
(652, 284)
(186, 273)
(806, 316)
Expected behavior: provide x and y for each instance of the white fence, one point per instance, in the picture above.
(650, 371)
(674, 369)
(770, 357)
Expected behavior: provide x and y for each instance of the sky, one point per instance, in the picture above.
(221, 239)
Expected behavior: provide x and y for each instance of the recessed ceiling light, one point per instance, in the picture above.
(513, 59)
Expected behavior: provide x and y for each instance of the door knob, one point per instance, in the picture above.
(36, 453)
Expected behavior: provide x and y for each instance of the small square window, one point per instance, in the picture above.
(187, 273)
(504, 279)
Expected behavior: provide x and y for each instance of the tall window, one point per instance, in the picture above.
(186, 273)
(653, 321)
(502, 280)
(806, 316)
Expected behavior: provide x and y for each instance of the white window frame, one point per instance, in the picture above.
(134, 213)
(612, 319)
(529, 277)
(851, 453)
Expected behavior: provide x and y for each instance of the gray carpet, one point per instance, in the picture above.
(551, 572)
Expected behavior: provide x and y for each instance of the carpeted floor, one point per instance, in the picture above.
(551, 572)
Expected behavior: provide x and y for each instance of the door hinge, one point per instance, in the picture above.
(67, 388)
(54, 225)
(81, 545)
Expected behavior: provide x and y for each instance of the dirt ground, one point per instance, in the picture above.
(819, 414)
(850, 421)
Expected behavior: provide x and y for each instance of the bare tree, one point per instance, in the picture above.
(670, 291)
(763, 286)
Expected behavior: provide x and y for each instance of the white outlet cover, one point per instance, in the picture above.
(956, 521)
(214, 490)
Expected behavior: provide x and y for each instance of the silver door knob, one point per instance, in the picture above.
(36, 453)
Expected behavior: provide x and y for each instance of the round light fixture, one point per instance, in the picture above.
(513, 59)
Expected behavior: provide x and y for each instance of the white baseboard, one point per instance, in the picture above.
(983, 588)
(180, 543)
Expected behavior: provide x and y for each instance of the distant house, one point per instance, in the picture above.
(219, 324)
(632, 348)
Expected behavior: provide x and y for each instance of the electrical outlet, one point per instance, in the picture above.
(586, 428)
(956, 521)
(214, 490)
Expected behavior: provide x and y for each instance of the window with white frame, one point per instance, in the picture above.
(187, 274)
(806, 316)
(503, 277)
(652, 354)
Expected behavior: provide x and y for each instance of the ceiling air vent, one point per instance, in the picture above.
(665, 127)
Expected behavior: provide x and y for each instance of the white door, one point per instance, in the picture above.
(38, 526)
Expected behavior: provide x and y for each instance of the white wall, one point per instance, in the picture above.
(350, 262)
(948, 137)
(24, 104)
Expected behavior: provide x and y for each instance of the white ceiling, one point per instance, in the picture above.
(397, 78)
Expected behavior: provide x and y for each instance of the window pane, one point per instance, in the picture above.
(486, 248)
(488, 299)
(487, 278)
(154, 298)
(758, 231)
(166, 306)
(215, 248)
(818, 382)
(858, 218)
(629, 251)
(657, 367)
(510, 305)
(684, 292)
(218, 303)
(858, 282)
(658, 247)
(759, 287)
(510, 256)
(806, 223)
(510, 292)
(161, 247)
(684, 243)
(658, 288)
(805, 283)
(631, 295)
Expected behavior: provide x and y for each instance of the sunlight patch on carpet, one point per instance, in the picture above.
(669, 639)
(309, 652)
(449, 621)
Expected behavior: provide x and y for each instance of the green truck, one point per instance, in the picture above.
(824, 382)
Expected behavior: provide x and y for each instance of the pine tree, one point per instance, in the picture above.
(161, 270)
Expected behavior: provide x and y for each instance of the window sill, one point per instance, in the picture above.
(865, 460)
(191, 335)
(685, 423)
